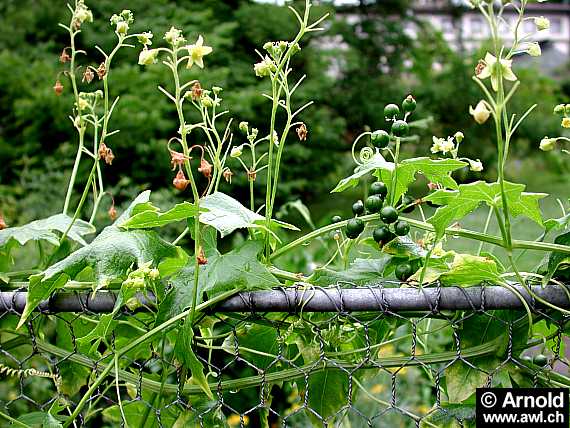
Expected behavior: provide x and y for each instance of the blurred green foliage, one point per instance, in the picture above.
(353, 69)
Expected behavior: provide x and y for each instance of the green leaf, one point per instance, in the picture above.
(152, 217)
(558, 261)
(449, 415)
(404, 246)
(469, 196)
(469, 270)
(226, 215)
(360, 271)
(185, 354)
(110, 256)
(237, 270)
(557, 223)
(435, 170)
(328, 393)
(375, 163)
(45, 230)
(300, 207)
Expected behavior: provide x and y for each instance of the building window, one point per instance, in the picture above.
(446, 25)
(556, 25)
(476, 26)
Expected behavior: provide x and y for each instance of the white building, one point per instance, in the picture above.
(465, 28)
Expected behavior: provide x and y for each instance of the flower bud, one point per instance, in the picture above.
(174, 37)
(567, 108)
(480, 113)
(541, 23)
(244, 127)
(236, 152)
(180, 181)
(216, 90)
(148, 56)
(559, 109)
(207, 101)
(82, 103)
(475, 165)
(58, 88)
(534, 49)
(459, 137)
(264, 68)
(547, 144)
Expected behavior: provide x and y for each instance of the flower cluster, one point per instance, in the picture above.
(122, 21)
(451, 145)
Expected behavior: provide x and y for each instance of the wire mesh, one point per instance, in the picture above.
(387, 365)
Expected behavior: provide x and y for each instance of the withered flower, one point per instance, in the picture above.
(196, 91)
(302, 132)
(177, 159)
(106, 153)
(88, 75)
(58, 88)
(479, 67)
(64, 56)
(3, 224)
(112, 212)
(205, 168)
(201, 257)
(252, 174)
(180, 181)
(101, 71)
(432, 186)
(228, 174)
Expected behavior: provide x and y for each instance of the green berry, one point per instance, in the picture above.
(354, 228)
(373, 203)
(382, 235)
(380, 139)
(379, 188)
(407, 202)
(409, 104)
(540, 360)
(336, 219)
(391, 111)
(358, 208)
(403, 271)
(402, 228)
(389, 214)
(527, 358)
(400, 128)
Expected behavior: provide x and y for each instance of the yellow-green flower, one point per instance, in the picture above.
(541, 23)
(148, 56)
(547, 144)
(480, 113)
(565, 122)
(197, 52)
(493, 67)
(534, 49)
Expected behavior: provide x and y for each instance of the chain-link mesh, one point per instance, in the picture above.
(386, 367)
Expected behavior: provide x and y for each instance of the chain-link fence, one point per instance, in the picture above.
(376, 356)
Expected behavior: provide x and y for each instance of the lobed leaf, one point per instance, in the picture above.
(147, 216)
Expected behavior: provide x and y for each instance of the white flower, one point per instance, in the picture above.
(492, 67)
(236, 152)
(145, 38)
(244, 127)
(174, 36)
(541, 23)
(197, 52)
(148, 56)
(122, 27)
(547, 144)
(475, 165)
(437, 142)
(480, 113)
(264, 67)
(442, 145)
(534, 49)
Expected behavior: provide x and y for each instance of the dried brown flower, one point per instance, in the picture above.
(88, 75)
(64, 56)
(112, 212)
(101, 71)
(180, 181)
(228, 174)
(58, 88)
(106, 153)
(432, 186)
(252, 175)
(177, 159)
(205, 168)
(201, 257)
(302, 132)
(3, 224)
(479, 67)
(196, 91)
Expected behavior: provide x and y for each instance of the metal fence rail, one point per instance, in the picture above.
(319, 299)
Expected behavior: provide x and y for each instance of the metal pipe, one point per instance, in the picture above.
(317, 299)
